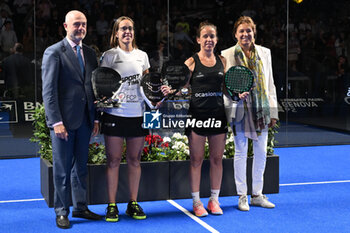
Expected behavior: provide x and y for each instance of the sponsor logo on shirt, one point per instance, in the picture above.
(132, 79)
(207, 94)
(199, 75)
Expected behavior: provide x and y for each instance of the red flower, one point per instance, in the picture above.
(154, 140)
(145, 150)
(165, 144)
(148, 139)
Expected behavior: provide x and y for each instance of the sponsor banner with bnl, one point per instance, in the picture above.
(8, 112)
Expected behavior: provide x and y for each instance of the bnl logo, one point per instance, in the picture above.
(8, 112)
(152, 120)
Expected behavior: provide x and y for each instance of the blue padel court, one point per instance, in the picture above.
(314, 197)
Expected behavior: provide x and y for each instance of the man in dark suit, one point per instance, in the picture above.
(70, 115)
(17, 72)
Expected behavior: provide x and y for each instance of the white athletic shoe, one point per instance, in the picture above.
(243, 203)
(261, 201)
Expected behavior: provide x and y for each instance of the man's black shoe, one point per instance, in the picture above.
(86, 214)
(62, 221)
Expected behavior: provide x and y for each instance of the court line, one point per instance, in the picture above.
(23, 200)
(189, 214)
(174, 203)
(322, 182)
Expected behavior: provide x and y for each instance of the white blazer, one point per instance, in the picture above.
(235, 111)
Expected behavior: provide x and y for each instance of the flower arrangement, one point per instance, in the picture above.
(156, 148)
(97, 153)
(178, 147)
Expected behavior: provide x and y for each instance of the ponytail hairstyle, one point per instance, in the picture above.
(205, 24)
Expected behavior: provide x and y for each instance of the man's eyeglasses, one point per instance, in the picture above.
(126, 28)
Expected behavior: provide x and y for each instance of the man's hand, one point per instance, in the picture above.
(61, 132)
(96, 129)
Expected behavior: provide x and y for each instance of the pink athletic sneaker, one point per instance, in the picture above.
(199, 210)
(214, 207)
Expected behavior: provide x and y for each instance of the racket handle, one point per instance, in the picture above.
(150, 104)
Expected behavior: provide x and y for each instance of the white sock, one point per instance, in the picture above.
(215, 193)
(195, 197)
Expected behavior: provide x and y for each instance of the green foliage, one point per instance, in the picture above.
(271, 141)
(178, 148)
(97, 153)
(229, 151)
(41, 134)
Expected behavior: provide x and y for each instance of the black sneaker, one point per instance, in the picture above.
(112, 213)
(134, 210)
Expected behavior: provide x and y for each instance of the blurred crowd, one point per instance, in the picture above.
(319, 38)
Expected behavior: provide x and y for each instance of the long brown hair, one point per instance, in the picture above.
(114, 40)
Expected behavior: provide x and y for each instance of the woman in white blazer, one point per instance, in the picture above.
(250, 114)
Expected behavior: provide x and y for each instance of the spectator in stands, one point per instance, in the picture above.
(159, 57)
(17, 71)
(4, 17)
(102, 29)
(184, 25)
(44, 7)
(339, 44)
(161, 26)
(5, 6)
(28, 42)
(41, 42)
(294, 51)
(181, 35)
(91, 37)
(8, 38)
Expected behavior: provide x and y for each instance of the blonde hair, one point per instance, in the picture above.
(114, 40)
(244, 19)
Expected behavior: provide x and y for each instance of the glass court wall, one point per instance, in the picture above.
(309, 42)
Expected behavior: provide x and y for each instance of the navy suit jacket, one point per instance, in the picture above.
(66, 90)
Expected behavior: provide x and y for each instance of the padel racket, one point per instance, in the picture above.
(105, 84)
(238, 79)
(150, 88)
(176, 75)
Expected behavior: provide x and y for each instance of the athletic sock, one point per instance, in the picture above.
(195, 197)
(215, 194)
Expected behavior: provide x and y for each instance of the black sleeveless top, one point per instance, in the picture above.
(206, 84)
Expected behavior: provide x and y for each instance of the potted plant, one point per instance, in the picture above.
(165, 167)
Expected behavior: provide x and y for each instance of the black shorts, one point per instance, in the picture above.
(212, 129)
(122, 126)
